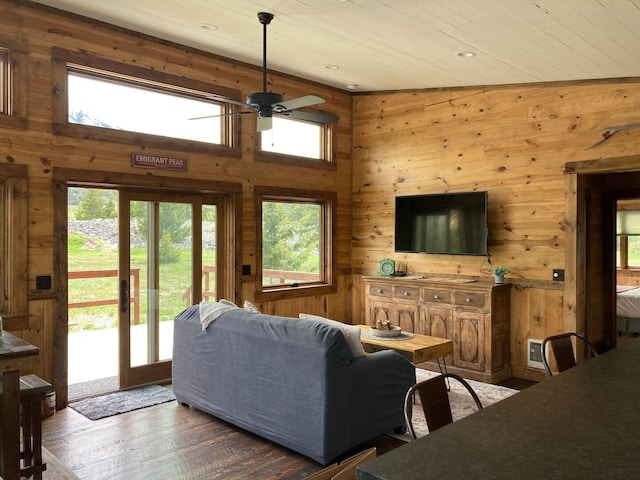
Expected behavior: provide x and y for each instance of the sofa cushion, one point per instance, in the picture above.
(351, 332)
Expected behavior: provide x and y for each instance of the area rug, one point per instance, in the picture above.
(461, 402)
(116, 403)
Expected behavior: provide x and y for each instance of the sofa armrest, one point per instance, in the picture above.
(373, 392)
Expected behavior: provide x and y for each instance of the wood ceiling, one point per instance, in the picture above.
(399, 44)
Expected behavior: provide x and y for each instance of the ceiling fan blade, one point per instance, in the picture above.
(221, 115)
(264, 123)
(311, 116)
(229, 100)
(299, 102)
(622, 127)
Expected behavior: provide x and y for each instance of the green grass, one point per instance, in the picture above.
(87, 253)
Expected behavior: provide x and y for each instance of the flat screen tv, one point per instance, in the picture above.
(447, 223)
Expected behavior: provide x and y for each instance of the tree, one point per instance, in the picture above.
(96, 203)
(291, 236)
(175, 227)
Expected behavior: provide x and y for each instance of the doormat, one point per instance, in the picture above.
(125, 401)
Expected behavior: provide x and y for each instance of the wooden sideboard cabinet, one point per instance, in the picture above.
(474, 313)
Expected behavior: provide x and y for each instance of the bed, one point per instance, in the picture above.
(628, 309)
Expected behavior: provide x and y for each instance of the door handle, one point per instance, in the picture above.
(124, 296)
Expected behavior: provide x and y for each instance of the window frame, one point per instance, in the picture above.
(327, 151)
(328, 213)
(65, 61)
(13, 246)
(13, 97)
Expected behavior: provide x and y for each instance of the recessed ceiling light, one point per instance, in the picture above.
(332, 67)
(208, 26)
(352, 86)
(466, 54)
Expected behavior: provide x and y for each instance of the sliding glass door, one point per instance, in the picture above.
(169, 263)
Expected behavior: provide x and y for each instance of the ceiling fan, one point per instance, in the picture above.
(267, 104)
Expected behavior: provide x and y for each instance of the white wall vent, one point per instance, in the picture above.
(534, 357)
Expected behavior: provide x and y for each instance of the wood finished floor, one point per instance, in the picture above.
(169, 441)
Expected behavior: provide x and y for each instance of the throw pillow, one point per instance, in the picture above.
(250, 307)
(351, 332)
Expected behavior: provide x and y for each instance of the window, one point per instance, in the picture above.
(295, 256)
(13, 246)
(293, 137)
(297, 142)
(4, 81)
(109, 103)
(103, 100)
(13, 95)
(627, 235)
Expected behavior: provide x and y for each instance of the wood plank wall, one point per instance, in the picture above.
(40, 29)
(513, 142)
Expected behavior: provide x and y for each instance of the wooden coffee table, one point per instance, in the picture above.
(418, 349)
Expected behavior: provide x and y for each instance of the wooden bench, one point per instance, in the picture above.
(32, 392)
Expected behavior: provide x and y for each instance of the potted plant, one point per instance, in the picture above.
(499, 273)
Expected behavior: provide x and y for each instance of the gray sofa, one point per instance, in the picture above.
(292, 381)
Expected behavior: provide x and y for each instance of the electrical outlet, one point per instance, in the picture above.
(534, 358)
(558, 275)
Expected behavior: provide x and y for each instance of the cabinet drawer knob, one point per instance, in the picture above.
(468, 300)
(437, 297)
(406, 294)
(380, 290)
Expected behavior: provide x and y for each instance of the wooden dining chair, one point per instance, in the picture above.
(434, 397)
(562, 347)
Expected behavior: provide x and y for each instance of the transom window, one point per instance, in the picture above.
(297, 142)
(296, 243)
(110, 103)
(105, 100)
(13, 84)
(293, 137)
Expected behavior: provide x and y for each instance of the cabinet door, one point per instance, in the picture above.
(379, 311)
(468, 340)
(436, 322)
(406, 315)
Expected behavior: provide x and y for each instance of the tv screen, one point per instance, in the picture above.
(447, 223)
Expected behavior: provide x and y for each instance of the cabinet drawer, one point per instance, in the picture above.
(470, 299)
(433, 295)
(378, 290)
(409, 293)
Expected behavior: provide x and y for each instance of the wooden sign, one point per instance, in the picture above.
(162, 162)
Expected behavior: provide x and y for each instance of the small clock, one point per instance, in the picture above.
(387, 267)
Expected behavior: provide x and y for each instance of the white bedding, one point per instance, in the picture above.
(628, 303)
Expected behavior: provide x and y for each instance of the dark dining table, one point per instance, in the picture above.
(583, 423)
(14, 356)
